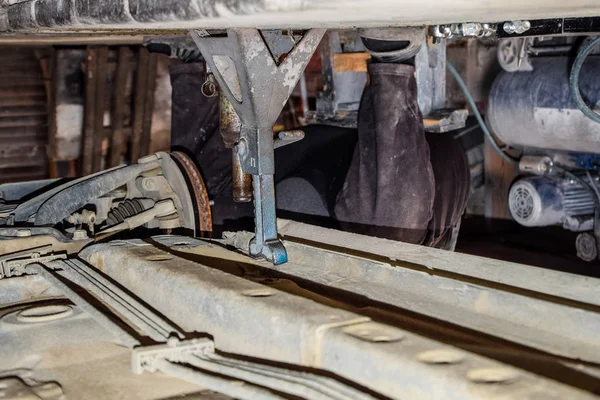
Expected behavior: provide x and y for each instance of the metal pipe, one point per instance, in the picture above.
(326, 385)
(276, 383)
(230, 127)
(234, 388)
(242, 182)
(139, 315)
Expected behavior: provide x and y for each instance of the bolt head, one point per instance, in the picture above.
(471, 29)
(509, 27)
(149, 184)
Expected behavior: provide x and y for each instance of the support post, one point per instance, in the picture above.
(257, 86)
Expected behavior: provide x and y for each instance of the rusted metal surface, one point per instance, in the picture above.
(23, 117)
(198, 192)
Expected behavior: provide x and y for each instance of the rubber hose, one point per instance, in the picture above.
(584, 52)
(478, 116)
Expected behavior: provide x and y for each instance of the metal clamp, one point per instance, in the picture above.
(15, 264)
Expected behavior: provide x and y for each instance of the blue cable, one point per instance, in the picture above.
(484, 127)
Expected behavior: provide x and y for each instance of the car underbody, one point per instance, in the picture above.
(112, 285)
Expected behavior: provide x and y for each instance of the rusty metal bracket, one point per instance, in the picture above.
(257, 85)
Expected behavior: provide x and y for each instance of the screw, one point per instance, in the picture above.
(149, 184)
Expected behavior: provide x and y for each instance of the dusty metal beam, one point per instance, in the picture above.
(559, 284)
(545, 310)
(123, 336)
(133, 312)
(250, 319)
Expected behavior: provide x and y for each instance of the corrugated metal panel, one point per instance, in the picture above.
(23, 117)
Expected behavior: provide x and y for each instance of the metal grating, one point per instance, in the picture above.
(521, 203)
(23, 116)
